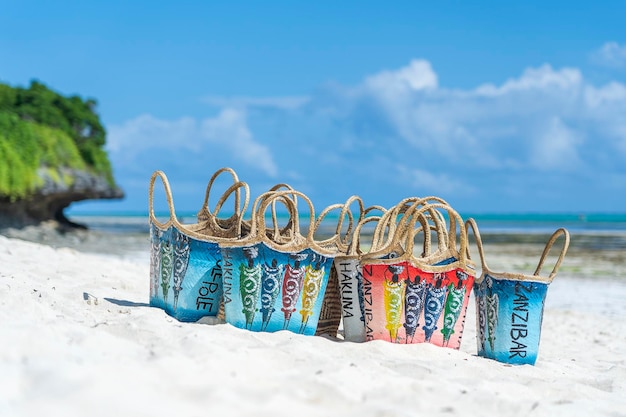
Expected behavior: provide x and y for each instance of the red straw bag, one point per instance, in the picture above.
(412, 299)
(348, 266)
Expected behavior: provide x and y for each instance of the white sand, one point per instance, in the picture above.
(77, 339)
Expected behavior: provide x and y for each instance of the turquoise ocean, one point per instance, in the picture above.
(595, 231)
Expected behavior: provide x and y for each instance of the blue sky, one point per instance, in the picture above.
(496, 108)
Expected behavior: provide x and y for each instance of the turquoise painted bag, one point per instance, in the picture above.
(510, 306)
(185, 259)
(276, 279)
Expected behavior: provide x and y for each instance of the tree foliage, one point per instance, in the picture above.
(41, 128)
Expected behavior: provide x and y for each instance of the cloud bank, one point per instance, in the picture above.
(612, 54)
(544, 140)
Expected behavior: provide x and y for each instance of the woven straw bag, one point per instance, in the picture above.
(282, 276)
(382, 246)
(330, 315)
(509, 306)
(185, 261)
(398, 292)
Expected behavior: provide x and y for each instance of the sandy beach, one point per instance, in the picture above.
(79, 339)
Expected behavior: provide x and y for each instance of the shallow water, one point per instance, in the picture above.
(597, 249)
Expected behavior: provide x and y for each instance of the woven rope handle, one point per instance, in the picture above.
(236, 187)
(289, 198)
(205, 211)
(471, 224)
(337, 240)
(454, 218)
(345, 212)
(408, 206)
(289, 227)
(407, 232)
(354, 248)
(277, 234)
(168, 196)
(558, 233)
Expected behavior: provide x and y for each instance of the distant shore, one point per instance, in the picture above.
(592, 254)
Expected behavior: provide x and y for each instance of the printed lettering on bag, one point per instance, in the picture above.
(519, 321)
(206, 293)
(227, 275)
(367, 301)
(346, 288)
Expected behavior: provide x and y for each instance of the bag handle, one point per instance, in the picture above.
(205, 211)
(336, 239)
(259, 226)
(278, 233)
(455, 222)
(168, 196)
(407, 207)
(558, 233)
(377, 249)
(397, 232)
(354, 248)
(238, 216)
(471, 224)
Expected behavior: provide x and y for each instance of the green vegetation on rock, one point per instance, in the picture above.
(39, 128)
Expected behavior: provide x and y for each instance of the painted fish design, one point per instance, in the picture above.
(492, 318)
(250, 281)
(454, 305)
(311, 289)
(155, 265)
(482, 316)
(414, 304)
(270, 287)
(433, 305)
(492, 302)
(393, 293)
(181, 261)
(167, 266)
(292, 285)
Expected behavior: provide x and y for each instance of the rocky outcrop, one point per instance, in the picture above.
(59, 189)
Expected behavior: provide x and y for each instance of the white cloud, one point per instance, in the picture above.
(147, 131)
(539, 79)
(432, 183)
(608, 94)
(557, 148)
(418, 75)
(547, 132)
(229, 129)
(611, 54)
(226, 134)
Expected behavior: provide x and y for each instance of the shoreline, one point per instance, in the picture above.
(595, 256)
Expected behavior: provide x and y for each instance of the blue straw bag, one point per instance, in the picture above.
(185, 259)
(509, 306)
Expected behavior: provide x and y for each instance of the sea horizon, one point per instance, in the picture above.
(597, 231)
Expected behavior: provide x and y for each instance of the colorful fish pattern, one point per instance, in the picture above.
(296, 279)
(310, 291)
(454, 305)
(413, 305)
(185, 274)
(181, 261)
(270, 287)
